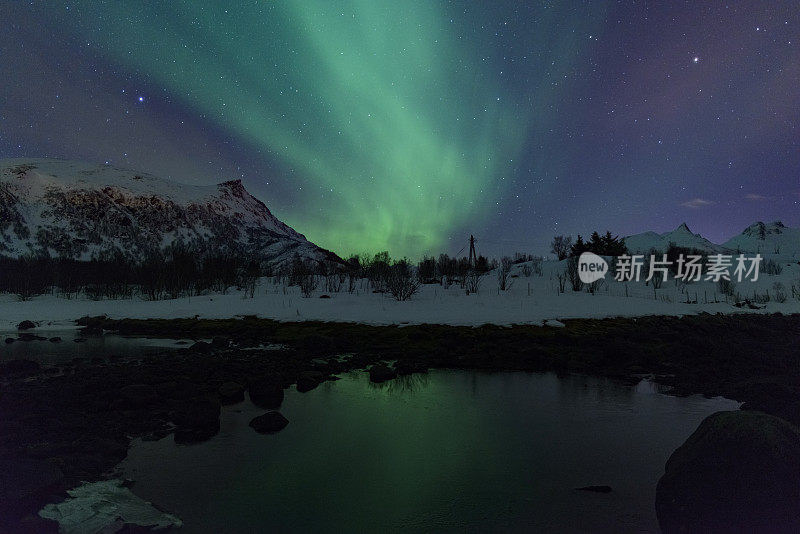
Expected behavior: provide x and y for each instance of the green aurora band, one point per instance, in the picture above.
(393, 128)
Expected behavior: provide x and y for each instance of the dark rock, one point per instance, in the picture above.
(33, 524)
(25, 484)
(269, 422)
(324, 296)
(26, 325)
(790, 412)
(407, 367)
(738, 472)
(55, 339)
(220, 342)
(231, 393)
(309, 380)
(10, 340)
(201, 347)
(138, 395)
(266, 393)
(596, 489)
(27, 336)
(20, 367)
(381, 373)
(92, 330)
(79, 340)
(196, 420)
(316, 343)
(180, 388)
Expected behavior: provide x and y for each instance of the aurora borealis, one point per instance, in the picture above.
(371, 125)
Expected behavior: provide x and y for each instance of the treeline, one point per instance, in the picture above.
(181, 271)
(173, 273)
(602, 245)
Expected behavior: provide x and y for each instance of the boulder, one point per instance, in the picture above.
(408, 366)
(308, 380)
(55, 339)
(138, 396)
(381, 373)
(27, 336)
(596, 489)
(19, 367)
(180, 388)
(790, 412)
(231, 393)
(201, 347)
(269, 422)
(10, 340)
(738, 472)
(219, 342)
(25, 484)
(92, 330)
(26, 325)
(266, 393)
(196, 419)
(33, 524)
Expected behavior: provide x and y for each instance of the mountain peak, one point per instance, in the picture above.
(681, 236)
(82, 210)
(772, 238)
(233, 184)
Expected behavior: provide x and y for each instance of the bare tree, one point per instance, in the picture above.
(562, 281)
(473, 279)
(250, 275)
(401, 282)
(503, 273)
(561, 246)
(571, 271)
(726, 287)
(595, 286)
(330, 270)
(308, 283)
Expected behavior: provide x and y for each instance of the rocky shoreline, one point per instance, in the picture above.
(74, 423)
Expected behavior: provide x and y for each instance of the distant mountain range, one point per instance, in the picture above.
(82, 210)
(759, 237)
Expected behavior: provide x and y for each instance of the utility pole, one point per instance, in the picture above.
(473, 258)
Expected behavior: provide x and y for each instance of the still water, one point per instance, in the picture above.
(449, 451)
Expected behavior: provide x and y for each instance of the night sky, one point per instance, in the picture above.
(407, 125)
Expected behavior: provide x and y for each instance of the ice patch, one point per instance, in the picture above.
(105, 506)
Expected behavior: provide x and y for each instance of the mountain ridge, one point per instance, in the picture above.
(82, 210)
(759, 237)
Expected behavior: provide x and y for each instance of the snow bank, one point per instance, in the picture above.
(105, 507)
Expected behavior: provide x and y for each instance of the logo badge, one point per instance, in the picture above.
(591, 267)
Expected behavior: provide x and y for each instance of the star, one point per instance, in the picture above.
(696, 59)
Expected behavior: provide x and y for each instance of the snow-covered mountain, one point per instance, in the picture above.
(83, 210)
(681, 236)
(772, 238)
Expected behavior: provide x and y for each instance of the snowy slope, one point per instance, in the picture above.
(529, 300)
(83, 210)
(681, 236)
(772, 238)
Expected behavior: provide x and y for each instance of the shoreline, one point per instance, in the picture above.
(83, 420)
